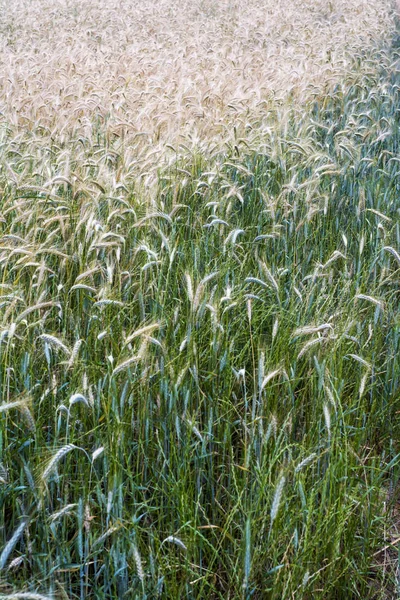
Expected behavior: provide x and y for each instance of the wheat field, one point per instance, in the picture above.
(199, 300)
(158, 73)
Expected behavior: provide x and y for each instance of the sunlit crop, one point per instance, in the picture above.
(199, 300)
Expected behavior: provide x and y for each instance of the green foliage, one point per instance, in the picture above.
(200, 381)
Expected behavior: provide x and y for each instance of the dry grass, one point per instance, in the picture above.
(166, 69)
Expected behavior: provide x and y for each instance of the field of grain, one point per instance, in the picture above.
(149, 74)
(199, 300)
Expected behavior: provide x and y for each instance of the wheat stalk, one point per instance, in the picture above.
(9, 547)
(53, 341)
(52, 464)
(277, 500)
